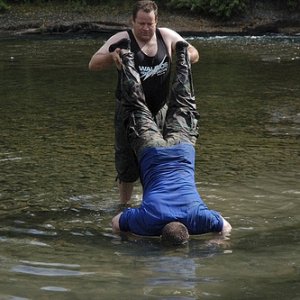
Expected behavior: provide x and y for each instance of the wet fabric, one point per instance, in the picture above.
(125, 158)
(154, 72)
(155, 75)
(167, 161)
(169, 194)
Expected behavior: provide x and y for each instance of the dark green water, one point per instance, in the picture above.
(57, 189)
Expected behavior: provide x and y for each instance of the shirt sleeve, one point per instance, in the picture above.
(204, 221)
(133, 220)
(123, 221)
(137, 221)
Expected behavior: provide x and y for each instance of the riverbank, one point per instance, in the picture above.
(24, 19)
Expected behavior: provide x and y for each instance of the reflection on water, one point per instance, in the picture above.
(57, 176)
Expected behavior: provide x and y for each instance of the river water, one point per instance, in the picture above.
(58, 194)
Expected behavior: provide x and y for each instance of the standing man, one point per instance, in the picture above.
(153, 49)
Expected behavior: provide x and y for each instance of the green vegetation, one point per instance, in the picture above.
(221, 9)
(293, 4)
(3, 6)
(225, 9)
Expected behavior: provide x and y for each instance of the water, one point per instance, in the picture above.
(57, 189)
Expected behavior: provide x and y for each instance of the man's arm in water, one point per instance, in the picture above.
(226, 228)
(115, 223)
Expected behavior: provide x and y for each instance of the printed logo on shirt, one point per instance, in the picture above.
(158, 70)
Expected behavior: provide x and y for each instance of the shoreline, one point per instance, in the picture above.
(49, 19)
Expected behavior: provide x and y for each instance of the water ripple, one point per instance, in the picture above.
(32, 231)
(51, 272)
(54, 289)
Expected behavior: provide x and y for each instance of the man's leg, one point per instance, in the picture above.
(182, 118)
(126, 162)
(125, 158)
(142, 131)
(125, 191)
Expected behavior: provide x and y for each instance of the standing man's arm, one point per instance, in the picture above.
(171, 37)
(103, 59)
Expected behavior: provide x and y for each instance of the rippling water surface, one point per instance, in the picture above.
(57, 189)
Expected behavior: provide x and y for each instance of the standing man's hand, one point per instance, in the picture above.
(116, 58)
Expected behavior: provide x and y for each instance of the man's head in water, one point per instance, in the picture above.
(175, 233)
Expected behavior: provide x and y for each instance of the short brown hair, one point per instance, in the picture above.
(146, 6)
(175, 233)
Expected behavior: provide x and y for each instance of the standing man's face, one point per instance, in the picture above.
(144, 25)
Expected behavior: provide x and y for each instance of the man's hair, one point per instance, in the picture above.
(175, 233)
(146, 6)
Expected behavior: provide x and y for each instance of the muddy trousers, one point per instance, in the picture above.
(181, 124)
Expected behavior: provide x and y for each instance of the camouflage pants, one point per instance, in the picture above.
(125, 157)
(181, 125)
